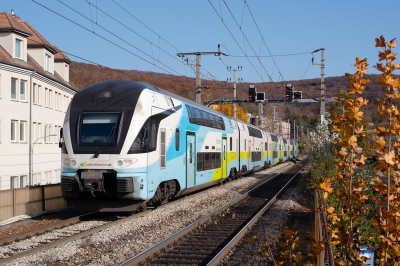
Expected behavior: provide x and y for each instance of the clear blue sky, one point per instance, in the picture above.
(346, 29)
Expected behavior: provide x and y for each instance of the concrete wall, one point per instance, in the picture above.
(29, 200)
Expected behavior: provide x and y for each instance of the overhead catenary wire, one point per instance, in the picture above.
(263, 39)
(130, 29)
(83, 27)
(235, 40)
(158, 36)
(128, 43)
(249, 43)
(271, 55)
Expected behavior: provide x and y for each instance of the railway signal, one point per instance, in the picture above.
(289, 93)
(260, 96)
(252, 93)
(297, 95)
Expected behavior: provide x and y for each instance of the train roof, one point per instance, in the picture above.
(136, 87)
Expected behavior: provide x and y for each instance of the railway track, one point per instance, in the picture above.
(208, 240)
(63, 238)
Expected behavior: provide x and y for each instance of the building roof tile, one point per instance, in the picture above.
(33, 65)
(60, 56)
(8, 23)
(37, 39)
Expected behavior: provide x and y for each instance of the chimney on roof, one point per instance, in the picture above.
(15, 16)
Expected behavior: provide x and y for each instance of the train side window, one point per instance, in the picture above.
(140, 144)
(212, 121)
(199, 119)
(155, 123)
(217, 122)
(206, 161)
(191, 116)
(212, 160)
(199, 161)
(245, 144)
(177, 139)
(230, 144)
(218, 160)
(222, 123)
(206, 121)
(266, 146)
(163, 159)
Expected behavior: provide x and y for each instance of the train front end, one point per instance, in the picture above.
(101, 127)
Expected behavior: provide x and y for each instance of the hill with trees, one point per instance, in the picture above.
(83, 75)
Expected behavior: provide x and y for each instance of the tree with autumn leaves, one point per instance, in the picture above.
(352, 190)
(227, 109)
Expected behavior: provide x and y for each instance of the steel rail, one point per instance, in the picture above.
(225, 250)
(140, 258)
(74, 237)
(43, 229)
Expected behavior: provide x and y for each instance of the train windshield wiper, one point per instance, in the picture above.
(112, 133)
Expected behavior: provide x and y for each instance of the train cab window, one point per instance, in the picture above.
(218, 160)
(218, 125)
(212, 160)
(206, 161)
(230, 144)
(177, 139)
(99, 128)
(200, 161)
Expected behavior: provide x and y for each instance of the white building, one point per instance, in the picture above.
(34, 96)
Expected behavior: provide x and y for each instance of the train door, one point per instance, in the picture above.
(224, 158)
(190, 159)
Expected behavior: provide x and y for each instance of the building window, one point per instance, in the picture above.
(39, 95)
(22, 130)
(47, 63)
(23, 181)
(50, 130)
(18, 48)
(34, 93)
(14, 130)
(14, 182)
(13, 88)
(45, 134)
(39, 127)
(22, 90)
(50, 99)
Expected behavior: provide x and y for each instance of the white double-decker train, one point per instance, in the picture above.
(128, 145)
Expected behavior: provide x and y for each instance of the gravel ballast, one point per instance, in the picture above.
(270, 227)
(122, 241)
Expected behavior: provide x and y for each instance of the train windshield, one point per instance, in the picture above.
(99, 128)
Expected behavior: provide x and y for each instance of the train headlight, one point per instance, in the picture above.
(70, 162)
(125, 162)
